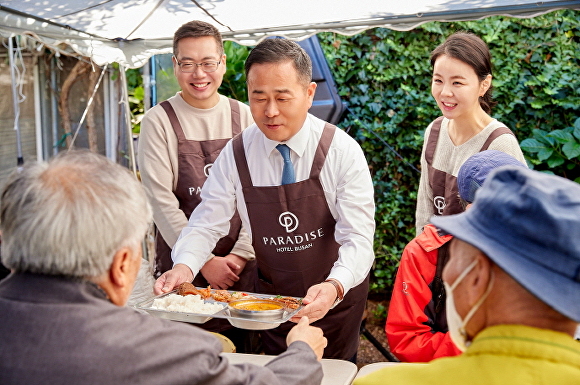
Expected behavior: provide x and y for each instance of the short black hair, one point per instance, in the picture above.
(197, 28)
(278, 50)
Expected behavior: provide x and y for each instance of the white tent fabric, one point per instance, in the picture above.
(130, 31)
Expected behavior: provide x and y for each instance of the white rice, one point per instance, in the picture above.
(186, 304)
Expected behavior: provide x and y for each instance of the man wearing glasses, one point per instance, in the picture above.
(179, 141)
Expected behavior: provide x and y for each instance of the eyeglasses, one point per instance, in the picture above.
(189, 66)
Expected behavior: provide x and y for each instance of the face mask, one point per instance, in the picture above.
(455, 324)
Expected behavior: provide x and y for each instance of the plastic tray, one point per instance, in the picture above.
(200, 318)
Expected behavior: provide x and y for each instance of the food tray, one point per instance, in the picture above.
(200, 318)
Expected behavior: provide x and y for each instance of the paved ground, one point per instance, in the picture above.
(375, 324)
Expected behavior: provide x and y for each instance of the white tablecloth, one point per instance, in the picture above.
(336, 372)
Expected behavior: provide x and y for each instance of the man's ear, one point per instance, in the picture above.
(310, 91)
(121, 267)
(478, 282)
(120, 278)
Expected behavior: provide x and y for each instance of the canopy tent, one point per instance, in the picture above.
(131, 31)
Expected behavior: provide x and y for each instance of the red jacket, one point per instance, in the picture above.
(410, 331)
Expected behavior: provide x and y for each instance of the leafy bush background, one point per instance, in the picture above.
(384, 77)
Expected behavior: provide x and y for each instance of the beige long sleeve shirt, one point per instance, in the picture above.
(448, 158)
(158, 159)
(345, 178)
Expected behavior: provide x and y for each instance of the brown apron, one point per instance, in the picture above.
(194, 160)
(444, 186)
(293, 237)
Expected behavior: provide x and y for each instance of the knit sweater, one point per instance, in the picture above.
(158, 159)
(449, 158)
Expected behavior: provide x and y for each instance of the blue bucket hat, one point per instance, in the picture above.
(528, 223)
(474, 171)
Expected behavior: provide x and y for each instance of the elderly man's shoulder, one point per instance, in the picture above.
(500, 355)
(148, 327)
(439, 372)
(131, 328)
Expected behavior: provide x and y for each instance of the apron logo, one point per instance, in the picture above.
(194, 190)
(439, 203)
(288, 220)
(206, 169)
(292, 242)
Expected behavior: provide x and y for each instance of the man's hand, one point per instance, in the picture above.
(319, 299)
(171, 278)
(220, 272)
(313, 336)
(239, 261)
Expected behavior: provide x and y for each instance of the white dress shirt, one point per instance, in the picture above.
(345, 178)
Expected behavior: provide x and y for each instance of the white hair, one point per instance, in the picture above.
(71, 215)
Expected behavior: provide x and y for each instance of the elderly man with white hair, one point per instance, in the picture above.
(71, 236)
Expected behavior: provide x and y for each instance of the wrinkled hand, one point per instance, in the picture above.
(171, 278)
(220, 272)
(319, 299)
(313, 336)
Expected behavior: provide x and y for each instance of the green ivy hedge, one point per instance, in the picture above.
(384, 76)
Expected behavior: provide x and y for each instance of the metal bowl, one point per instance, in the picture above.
(256, 314)
(261, 309)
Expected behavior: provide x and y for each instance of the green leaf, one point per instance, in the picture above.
(561, 136)
(571, 150)
(363, 87)
(551, 91)
(544, 137)
(532, 145)
(139, 92)
(555, 161)
(375, 107)
(577, 128)
(545, 153)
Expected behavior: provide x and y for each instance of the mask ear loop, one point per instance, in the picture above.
(463, 274)
(476, 306)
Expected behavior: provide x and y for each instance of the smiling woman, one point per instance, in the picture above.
(461, 86)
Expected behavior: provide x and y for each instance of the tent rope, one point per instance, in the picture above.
(88, 105)
(82, 9)
(360, 123)
(145, 18)
(210, 15)
(17, 76)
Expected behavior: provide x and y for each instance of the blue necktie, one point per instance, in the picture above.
(288, 171)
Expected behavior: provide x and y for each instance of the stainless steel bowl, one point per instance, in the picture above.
(255, 319)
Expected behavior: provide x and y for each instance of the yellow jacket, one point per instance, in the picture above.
(499, 355)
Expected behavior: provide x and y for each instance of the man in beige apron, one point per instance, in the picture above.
(313, 234)
(180, 139)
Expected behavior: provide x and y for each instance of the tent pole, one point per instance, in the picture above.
(132, 160)
(20, 160)
(85, 112)
(147, 85)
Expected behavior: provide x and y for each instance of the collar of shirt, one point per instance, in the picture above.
(297, 143)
